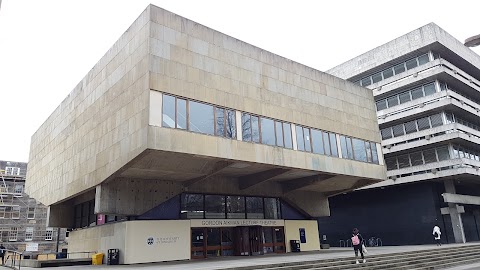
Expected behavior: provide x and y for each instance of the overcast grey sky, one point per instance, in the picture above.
(47, 47)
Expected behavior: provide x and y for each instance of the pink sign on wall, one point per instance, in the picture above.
(100, 219)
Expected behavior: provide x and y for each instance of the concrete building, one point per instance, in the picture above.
(23, 220)
(426, 86)
(183, 142)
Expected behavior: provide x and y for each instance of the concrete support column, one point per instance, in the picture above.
(456, 217)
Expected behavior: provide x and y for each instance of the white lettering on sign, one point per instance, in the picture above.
(236, 222)
(162, 240)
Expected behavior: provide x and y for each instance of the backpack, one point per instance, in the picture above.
(355, 240)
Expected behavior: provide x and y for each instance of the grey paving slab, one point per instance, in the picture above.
(230, 262)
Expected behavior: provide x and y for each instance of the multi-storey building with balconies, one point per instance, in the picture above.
(183, 142)
(426, 86)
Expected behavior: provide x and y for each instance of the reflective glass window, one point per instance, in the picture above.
(230, 126)
(246, 127)
(343, 146)
(359, 150)
(214, 206)
(417, 93)
(272, 208)
(255, 129)
(403, 161)
(429, 156)
(349, 148)
(374, 152)
(429, 89)
(220, 122)
(287, 134)
(300, 140)
(411, 127)
(399, 68)
(306, 137)
(317, 142)
(423, 59)
(416, 158)
(377, 77)
(436, 120)
(392, 101)
(366, 81)
(181, 113)
(404, 97)
(387, 73)
(279, 133)
(443, 153)
(201, 118)
(391, 163)
(381, 104)
(268, 131)
(168, 111)
(333, 144)
(386, 133)
(255, 207)
(192, 206)
(412, 63)
(236, 207)
(398, 130)
(423, 123)
(326, 143)
(369, 151)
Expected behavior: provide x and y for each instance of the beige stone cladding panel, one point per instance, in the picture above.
(99, 127)
(292, 232)
(211, 146)
(415, 40)
(171, 241)
(98, 239)
(194, 61)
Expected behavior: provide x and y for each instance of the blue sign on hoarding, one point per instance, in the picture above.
(303, 237)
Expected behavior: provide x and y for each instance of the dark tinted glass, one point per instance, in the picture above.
(423, 59)
(387, 73)
(412, 63)
(255, 207)
(272, 208)
(236, 207)
(192, 206)
(214, 206)
(399, 68)
(377, 77)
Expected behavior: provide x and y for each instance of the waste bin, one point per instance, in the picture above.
(97, 258)
(113, 256)
(295, 245)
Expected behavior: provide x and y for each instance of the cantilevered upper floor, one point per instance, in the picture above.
(175, 106)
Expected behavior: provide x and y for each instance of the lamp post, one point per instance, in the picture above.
(472, 41)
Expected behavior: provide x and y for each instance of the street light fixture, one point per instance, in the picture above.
(472, 41)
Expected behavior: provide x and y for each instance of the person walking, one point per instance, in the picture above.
(2, 253)
(437, 233)
(357, 240)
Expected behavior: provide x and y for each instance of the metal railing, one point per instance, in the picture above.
(12, 259)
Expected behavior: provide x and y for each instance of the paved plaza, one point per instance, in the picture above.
(232, 262)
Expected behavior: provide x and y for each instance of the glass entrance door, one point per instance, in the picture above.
(198, 243)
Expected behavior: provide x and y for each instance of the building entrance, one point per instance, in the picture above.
(238, 241)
